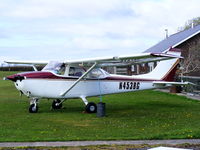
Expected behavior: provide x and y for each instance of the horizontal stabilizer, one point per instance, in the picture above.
(165, 83)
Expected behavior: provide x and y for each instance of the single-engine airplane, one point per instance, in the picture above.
(86, 78)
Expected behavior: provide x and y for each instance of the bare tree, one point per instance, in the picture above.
(191, 63)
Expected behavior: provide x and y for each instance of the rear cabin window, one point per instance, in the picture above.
(97, 74)
(73, 71)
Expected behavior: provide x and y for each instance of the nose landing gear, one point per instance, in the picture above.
(33, 108)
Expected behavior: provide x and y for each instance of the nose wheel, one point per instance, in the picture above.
(33, 108)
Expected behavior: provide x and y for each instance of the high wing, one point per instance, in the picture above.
(111, 61)
(27, 63)
(105, 61)
(124, 60)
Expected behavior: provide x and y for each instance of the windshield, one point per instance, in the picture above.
(56, 67)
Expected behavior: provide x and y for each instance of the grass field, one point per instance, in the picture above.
(137, 115)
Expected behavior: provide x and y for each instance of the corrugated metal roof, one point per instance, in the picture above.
(174, 40)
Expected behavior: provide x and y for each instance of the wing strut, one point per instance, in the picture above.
(79, 79)
(35, 69)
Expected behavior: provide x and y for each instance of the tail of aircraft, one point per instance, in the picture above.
(165, 70)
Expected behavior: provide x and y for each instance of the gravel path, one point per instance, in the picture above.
(87, 143)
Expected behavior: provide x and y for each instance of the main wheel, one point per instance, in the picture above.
(33, 108)
(56, 104)
(91, 107)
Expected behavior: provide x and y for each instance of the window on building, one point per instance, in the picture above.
(151, 66)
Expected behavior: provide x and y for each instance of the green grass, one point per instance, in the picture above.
(136, 115)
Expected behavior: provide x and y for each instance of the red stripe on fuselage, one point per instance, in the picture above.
(51, 76)
(127, 78)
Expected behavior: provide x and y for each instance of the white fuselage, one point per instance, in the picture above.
(53, 88)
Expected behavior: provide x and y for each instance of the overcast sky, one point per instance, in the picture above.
(71, 29)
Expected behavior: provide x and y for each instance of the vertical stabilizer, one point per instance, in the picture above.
(165, 70)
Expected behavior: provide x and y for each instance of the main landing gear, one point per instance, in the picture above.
(57, 104)
(90, 107)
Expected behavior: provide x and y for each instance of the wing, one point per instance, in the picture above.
(124, 60)
(113, 61)
(27, 63)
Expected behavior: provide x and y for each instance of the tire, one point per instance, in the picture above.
(56, 105)
(91, 107)
(33, 108)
